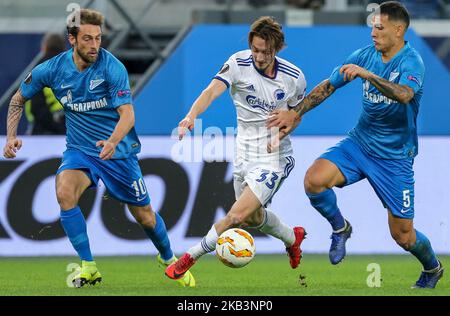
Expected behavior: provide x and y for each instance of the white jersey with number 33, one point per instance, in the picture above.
(255, 96)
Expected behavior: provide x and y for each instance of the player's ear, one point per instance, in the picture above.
(401, 29)
(72, 39)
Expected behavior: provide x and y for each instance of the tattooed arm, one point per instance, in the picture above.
(289, 119)
(15, 110)
(322, 91)
(394, 91)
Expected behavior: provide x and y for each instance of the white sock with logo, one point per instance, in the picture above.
(207, 244)
(273, 226)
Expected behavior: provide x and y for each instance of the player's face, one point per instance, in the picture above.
(87, 43)
(385, 34)
(263, 55)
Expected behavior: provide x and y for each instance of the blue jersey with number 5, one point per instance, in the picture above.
(386, 128)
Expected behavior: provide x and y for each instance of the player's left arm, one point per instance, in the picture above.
(398, 92)
(123, 126)
(120, 94)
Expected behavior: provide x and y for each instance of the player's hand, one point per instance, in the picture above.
(186, 124)
(11, 147)
(109, 148)
(352, 71)
(279, 133)
(274, 143)
(282, 119)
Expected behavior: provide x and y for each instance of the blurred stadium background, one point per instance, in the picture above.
(172, 49)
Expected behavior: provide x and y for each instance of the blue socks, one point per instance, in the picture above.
(325, 203)
(75, 227)
(160, 239)
(423, 251)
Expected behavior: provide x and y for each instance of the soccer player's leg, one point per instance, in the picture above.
(155, 228)
(70, 184)
(241, 210)
(124, 181)
(393, 181)
(264, 183)
(339, 166)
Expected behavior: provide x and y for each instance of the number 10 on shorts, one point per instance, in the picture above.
(139, 187)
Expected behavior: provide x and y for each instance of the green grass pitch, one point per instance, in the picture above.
(265, 275)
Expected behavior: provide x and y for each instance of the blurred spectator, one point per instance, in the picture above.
(306, 4)
(44, 113)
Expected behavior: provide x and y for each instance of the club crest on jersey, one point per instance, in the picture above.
(95, 83)
(279, 94)
(393, 76)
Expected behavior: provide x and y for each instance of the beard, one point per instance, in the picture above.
(86, 57)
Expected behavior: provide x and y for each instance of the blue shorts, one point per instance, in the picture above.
(122, 177)
(392, 179)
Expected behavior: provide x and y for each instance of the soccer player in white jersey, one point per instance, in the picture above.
(259, 83)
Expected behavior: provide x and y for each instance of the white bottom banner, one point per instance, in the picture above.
(191, 196)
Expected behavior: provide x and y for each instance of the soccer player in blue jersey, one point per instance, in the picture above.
(93, 87)
(383, 144)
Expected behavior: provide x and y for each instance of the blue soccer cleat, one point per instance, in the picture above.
(429, 279)
(337, 248)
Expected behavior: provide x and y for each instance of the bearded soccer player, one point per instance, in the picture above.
(93, 87)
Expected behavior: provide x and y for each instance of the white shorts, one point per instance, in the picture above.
(263, 179)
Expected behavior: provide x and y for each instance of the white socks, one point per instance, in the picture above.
(208, 244)
(272, 225)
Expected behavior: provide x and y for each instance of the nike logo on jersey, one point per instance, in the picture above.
(65, 86)
(140, 199)
(95, 83)
(404, 211)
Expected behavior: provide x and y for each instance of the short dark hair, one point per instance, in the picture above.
(269, 30)
(395, 11)
(86, 16)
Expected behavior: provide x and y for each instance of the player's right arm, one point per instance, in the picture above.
(204, 100)
(15, 109)
(35, 81)
(289, 120)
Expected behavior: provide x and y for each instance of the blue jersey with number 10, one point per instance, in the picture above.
(386, 128)
(90, 99)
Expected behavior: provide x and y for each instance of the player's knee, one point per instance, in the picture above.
(146, 220)
(254, 220)
(66, 199)
(313, 182)
(235, 219)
